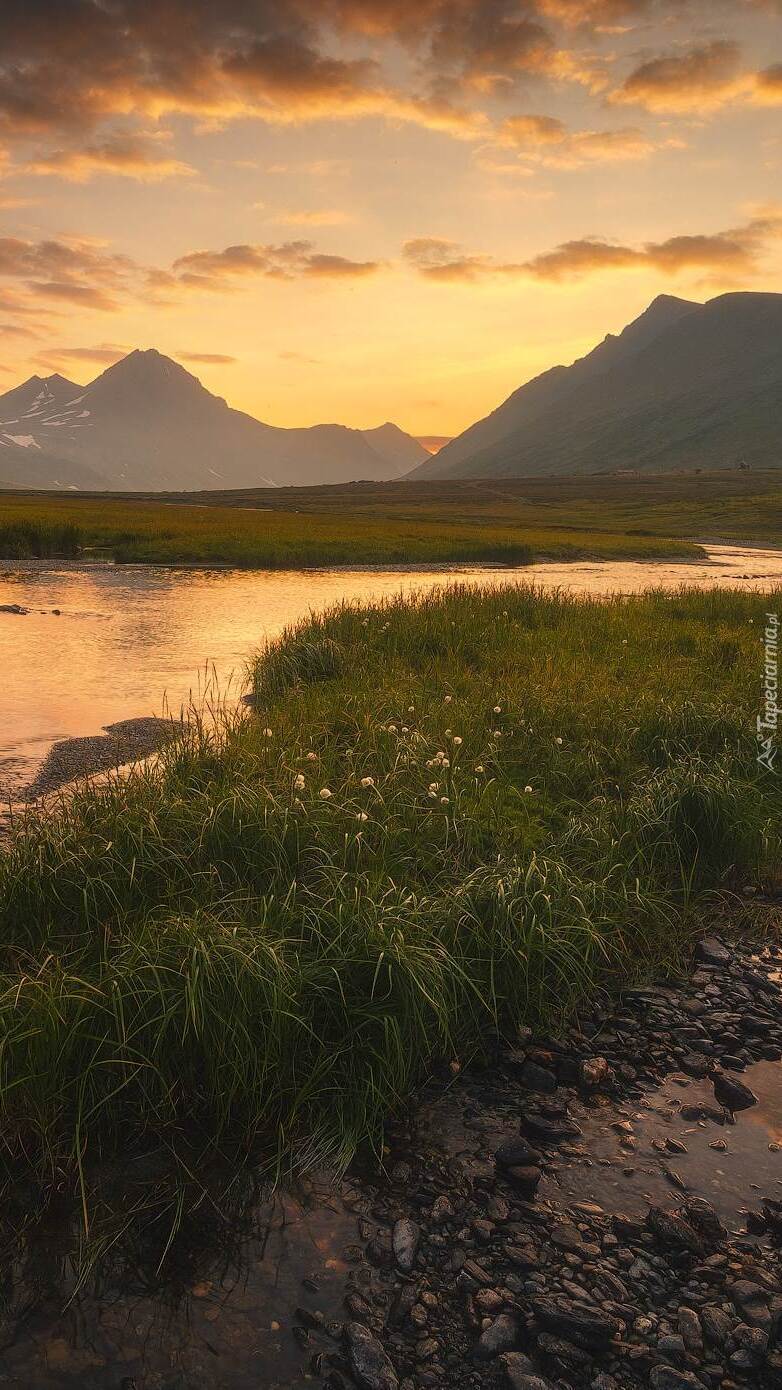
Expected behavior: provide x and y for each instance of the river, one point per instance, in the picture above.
(132, 640)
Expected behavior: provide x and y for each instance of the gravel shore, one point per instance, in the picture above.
(75, 758)
(487, 1263)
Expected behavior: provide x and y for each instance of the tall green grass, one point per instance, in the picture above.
(38, 539)
(266, 537)
(443, 818)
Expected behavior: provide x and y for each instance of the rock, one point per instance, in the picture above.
(13, 608)
(710, 951)
(525, 1180)
(537, 1078)
(703, 1217)
(672, 1345)
(752, 1300)
(501, 1335)
(552, 1131)
(516, 1153)
(563, 1353)
(593, 1073)
(404, 1240)
(370, 1365)
(521, 1373)
(690, 1329)
(733, 1094)
(673, 1232)
(667, 1378)
(716, 1324)
(441, 1211)
(694, 1113)
(587, 1326)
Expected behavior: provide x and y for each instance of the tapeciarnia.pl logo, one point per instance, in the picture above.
(768, 721)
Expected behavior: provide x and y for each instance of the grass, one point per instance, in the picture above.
(445, 817)
(267, 537)
(38, 539)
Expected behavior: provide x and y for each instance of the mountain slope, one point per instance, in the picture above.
(684, 385)
(396, 448)
(148, 424)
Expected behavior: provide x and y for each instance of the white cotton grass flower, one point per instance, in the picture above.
(405, 729)
(268, 733)
(299, 782)
(528, 790)
(324, 794)
(448, 733)
(311, 757)
(362, 815)
(432, 795)
(447, 699)
(480, 768)
(496, 733)
(411, 709)
(445, 800)
(392, 728)
(558, 742)
(457, 741)
(434, 786)
(498, 709)
(367, 781)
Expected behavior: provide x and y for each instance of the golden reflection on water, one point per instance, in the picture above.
(131, 639)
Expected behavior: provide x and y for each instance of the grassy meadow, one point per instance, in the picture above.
(270, 537)
(442, 819)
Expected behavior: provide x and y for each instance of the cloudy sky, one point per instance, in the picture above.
(357, 210)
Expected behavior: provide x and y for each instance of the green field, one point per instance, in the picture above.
(443, 819)
(316, 531)
(507, 522)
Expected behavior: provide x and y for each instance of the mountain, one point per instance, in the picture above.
(147, 424)
(398, 449)
(685, 385)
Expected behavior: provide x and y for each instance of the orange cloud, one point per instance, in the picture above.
(216, 269)
(736, 251)
(130, 156)
(702, 79)
(102, 353)
(208, 359)
(546, 141)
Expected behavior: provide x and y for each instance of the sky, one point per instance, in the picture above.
(361, 210)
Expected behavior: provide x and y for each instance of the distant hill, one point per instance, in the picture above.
(685, 385)
(148, 424)
(433, 443)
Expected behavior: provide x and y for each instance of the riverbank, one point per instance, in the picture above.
(167, 533)
(574, 1211)
(446, 818)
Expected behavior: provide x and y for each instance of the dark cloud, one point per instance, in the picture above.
(704, 76)
(67, 66)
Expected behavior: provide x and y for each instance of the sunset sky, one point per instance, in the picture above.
(361, 210)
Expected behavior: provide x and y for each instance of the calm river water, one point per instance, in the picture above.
(130, 640)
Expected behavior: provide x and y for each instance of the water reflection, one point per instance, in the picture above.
(251, 1293)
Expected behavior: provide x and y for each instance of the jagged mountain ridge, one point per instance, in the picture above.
(685, 385)
(148, 424)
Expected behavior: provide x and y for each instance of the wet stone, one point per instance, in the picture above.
(369, 1362)
(405, 1240)
(733, 1094)
(501, 1335)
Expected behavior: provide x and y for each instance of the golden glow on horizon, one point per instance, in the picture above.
(362, 210)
